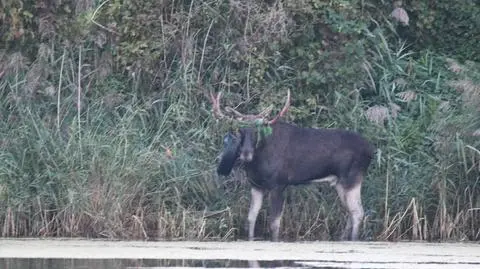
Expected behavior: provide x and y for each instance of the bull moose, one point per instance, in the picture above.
(291, 155)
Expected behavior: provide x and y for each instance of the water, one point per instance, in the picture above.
(100, 254)
(35, 263)
(32, 263)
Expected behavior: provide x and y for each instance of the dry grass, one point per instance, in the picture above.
(407, 96)
(400, 15)
(379, 114)
(470, 91)
(454, 66)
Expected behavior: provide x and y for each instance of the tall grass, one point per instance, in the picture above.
(428, 156)
(90, 151)
(115, 166)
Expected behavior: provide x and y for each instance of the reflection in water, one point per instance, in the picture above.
(22, 263)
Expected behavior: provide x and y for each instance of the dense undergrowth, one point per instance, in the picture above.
(106, 127)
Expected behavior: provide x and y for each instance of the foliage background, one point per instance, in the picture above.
(106, 127)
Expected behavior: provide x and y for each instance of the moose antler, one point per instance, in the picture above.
(217, 112)
(284, 109)
(262, 116)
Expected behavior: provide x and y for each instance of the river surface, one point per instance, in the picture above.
(100, 254)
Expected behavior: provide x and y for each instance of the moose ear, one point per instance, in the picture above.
(231, 145)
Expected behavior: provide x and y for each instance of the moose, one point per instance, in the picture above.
(286, 155)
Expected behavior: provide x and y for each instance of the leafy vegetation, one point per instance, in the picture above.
(106, 126)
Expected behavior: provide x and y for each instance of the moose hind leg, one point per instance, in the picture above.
(353, 202)
(348, 227)
(255, 206)
(276, 201)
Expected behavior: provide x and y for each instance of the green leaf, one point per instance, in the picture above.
(27, 14)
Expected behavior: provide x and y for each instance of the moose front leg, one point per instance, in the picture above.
(255, 206)
(276, 201)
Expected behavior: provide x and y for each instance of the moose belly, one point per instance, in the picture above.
(332, 180)
(306, 172)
